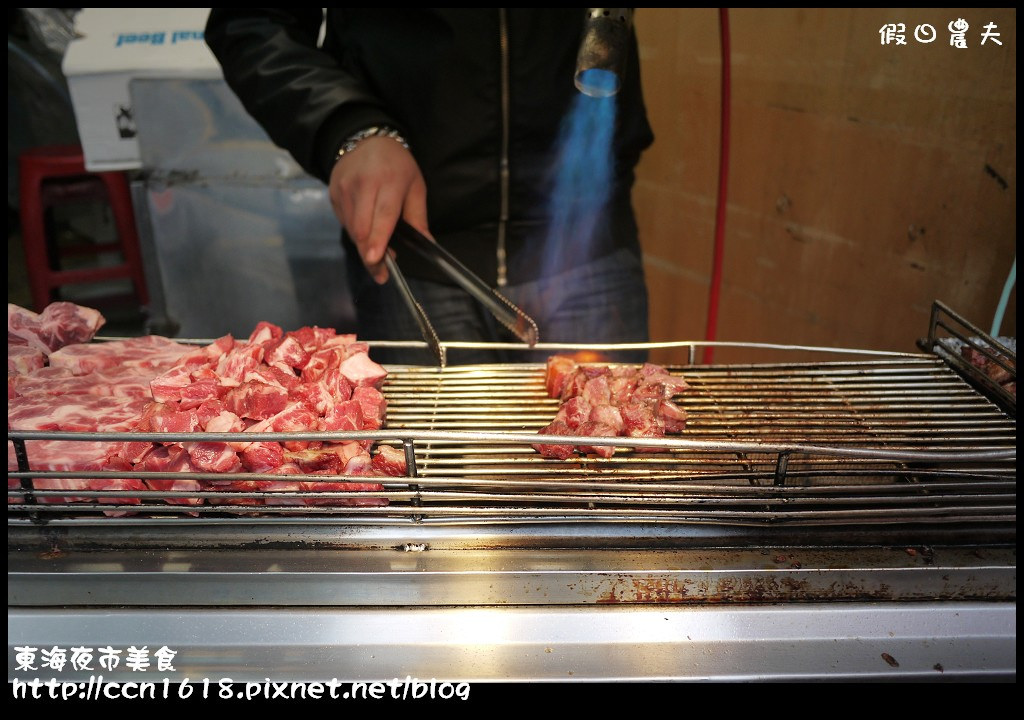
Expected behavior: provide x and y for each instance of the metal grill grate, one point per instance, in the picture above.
(897, 440)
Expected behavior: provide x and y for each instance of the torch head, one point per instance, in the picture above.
(603, 51)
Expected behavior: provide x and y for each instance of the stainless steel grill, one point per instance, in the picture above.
(897, 440)
(815, 520)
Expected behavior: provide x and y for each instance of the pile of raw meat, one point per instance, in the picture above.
(610, 401)
(31, 337)
(990, 367)
(311, 379)
(55, 382)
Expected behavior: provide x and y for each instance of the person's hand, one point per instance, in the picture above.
(370, 188)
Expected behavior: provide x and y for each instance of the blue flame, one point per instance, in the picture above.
(583, 174)
(597, 82)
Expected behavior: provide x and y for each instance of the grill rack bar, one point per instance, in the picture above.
(410, 440)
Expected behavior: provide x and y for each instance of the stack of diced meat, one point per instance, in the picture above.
(308, 380)
(311, 379)
(610, 401)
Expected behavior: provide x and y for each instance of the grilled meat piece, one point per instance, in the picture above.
(559, 452)
(992, 368)
(603, 401)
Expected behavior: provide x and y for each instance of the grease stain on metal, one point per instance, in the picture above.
(673, 591)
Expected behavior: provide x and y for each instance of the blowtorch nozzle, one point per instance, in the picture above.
(602, 55)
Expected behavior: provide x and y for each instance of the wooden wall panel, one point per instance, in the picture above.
(866, 180)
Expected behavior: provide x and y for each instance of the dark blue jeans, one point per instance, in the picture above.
(604, 301)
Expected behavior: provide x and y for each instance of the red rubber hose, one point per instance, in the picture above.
(723, 183)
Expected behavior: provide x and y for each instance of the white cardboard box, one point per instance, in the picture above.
(114, 46)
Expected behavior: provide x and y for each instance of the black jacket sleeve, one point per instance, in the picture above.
(302, 96)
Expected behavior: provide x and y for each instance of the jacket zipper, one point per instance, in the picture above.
(503, 168)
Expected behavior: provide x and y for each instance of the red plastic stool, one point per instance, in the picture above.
(56, 174)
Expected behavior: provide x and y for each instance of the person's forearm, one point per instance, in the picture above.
(306, 103)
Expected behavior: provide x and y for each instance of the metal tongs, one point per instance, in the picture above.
(407, 238)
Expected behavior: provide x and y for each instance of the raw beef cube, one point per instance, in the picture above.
(194, 395)
(208, 410)
(390, 461)
(269, 375)
(164, 418)
(325, 459)
(372, 407)
(287, 353)
(314, 396)
(234, 365)
(168, 387)
(227, 421)
(361, 371)
(337, 385)
(343, 417)
(256, 401)
(320, 362)
(262, 457)
(359, 464)
(296, 418)
(214, 457)
(264, 332)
